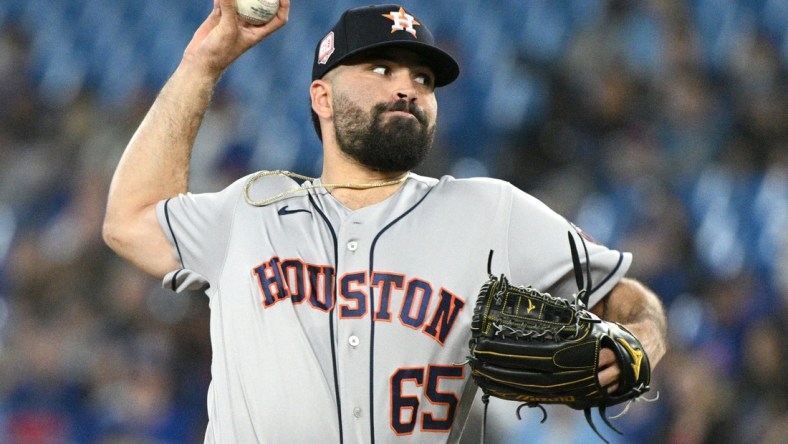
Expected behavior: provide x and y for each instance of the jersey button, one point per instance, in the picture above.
(357, 412)
(353, 341)
(352, 245)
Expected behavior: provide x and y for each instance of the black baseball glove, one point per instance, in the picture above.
(531, 347)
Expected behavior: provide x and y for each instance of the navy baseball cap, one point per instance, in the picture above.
(379, 26)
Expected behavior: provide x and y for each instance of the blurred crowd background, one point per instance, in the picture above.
(660, 127)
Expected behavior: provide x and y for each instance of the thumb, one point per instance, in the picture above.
(229, 8)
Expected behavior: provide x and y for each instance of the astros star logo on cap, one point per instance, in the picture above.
(402, 21)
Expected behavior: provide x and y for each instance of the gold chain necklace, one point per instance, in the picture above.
(328, 186)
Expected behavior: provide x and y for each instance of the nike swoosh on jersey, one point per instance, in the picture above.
(284, 211)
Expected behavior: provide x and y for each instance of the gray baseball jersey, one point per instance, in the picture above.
(332, 325)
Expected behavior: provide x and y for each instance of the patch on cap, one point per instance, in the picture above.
(402, 21)
(326, 48)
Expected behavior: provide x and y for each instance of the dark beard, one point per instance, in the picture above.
(398, 145)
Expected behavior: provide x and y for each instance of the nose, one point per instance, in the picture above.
(406, 94)
(404, 88)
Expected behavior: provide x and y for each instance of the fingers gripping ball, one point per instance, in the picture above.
(534, 348)
(257, 12)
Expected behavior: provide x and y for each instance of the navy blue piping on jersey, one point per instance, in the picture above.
(372, 315)
(169, 225)
(610, 275)
(588, 261)
(173, 282)
(331, 316)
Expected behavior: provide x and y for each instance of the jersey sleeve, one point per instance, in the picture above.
(198, 227)
(539, 252)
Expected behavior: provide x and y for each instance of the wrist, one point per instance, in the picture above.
(199, 71)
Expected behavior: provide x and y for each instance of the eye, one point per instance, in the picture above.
(425, 79)
(380, 69)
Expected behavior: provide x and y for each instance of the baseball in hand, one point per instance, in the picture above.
(257, 12)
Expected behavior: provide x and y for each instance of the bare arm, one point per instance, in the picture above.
(155, 164)
(639, 310)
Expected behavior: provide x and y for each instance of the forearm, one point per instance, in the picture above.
(639, 310)
(155, 164)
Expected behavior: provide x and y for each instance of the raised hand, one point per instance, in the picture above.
(223, 36)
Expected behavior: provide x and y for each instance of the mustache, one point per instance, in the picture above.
(403, 106)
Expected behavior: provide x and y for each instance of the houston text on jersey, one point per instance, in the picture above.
(301, 282)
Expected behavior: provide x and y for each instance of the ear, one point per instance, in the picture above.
(320, 92)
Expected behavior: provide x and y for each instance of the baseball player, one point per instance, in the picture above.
(340, 305)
